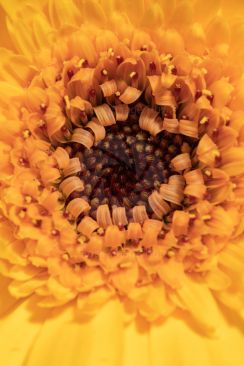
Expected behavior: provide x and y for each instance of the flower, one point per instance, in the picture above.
(121, 182)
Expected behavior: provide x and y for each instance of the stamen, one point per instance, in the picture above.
(119, 59)
(23, 161)
(28, 199)
(133, 75)
(55, 232)
(41, 124)
(43, 107)
(67, 101)
(110, 52)
(104, 72)
(204, 120)
(83, 63)
(70, 73)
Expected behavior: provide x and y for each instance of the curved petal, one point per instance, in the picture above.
(5, 40)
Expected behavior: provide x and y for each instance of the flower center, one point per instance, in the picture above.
(126, 166)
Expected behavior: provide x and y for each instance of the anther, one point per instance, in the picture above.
(173, 70)
(206, 217)
(104, 72)
(152, 66)
(43, 107)
(55, 232)
(177, 87)
(210, 98)
(83, 63)
(22, 213)
(113, 252)
(144, 47)
(36, 223)
(100, 231)
(204, 120)
(23, 161)
(58, 77)
(28, 199)
(198, 94)
(133, 75)
(170, 253)
(119, 59)
(111, 51)
(26, 134)
(70, 73)
(161, 235)
(65, 256)
(167, 57)
(41, 124)
(149, 251)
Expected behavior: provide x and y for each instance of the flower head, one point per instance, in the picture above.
(122, 156)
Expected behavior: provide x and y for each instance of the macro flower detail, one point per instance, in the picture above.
(122, 158)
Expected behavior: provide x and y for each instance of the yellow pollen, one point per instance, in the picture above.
(43, 106)
(206, 92)
(170, 68)
(41, 123)
(207, 173)
(133, 74)
(54, 232)
(125, 265)
(117, 93)
(206, 217)
(22, 214)
(171, 253)
(67, 102)
(100, 231)
(144, 47)
(216, 153)
(111, 52)
(167, 57)
(81, 62)
(83, 238)
(26, 134)
(104, 72)
(192, 216)
(65, 256)
(28, 199)
(22, 161)
(203, 120)
(204, 71)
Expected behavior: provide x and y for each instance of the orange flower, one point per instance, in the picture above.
(121, 181)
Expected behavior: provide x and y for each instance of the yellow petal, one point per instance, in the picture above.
(176, 342)
(197, 296)
(63, 12)
(98, 341)
(17, 327)
(6, 300)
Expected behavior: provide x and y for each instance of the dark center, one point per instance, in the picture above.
(126, 166)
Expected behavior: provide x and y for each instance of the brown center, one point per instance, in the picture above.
(127, 165)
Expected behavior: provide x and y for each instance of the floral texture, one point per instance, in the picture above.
(122, 158)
